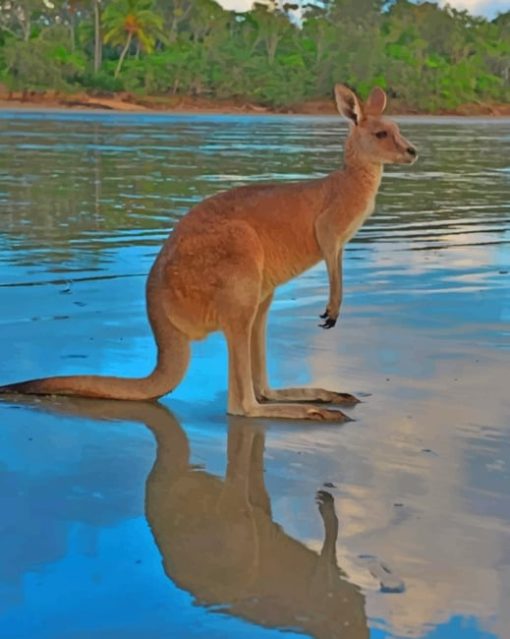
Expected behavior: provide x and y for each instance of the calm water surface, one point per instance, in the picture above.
(148, 522)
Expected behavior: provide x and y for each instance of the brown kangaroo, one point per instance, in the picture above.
(219, 268)
(217, 536)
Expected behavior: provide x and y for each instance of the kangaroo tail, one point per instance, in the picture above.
(172, 362)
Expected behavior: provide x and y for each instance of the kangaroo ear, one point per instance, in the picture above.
(348, 104)
(376, 102)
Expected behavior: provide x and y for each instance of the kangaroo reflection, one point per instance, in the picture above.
(217, 536)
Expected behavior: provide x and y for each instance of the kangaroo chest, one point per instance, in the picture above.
(354, 221)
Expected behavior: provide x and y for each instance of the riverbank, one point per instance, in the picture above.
(126, 102)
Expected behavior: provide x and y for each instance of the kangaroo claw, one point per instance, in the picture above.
(329, 323)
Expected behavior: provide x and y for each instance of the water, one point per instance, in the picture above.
(99, 537)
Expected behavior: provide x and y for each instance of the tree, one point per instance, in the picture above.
(46, 60)
(206, 19)
(17, 16)
(271, 26)
(126, 21)
(278, 54)
(175, 14)
(98, 41)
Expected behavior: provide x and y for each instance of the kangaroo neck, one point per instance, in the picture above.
(358, 170)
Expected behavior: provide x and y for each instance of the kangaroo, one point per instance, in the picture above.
(219, 269)
(217, 536)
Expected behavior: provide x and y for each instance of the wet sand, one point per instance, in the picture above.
(139, 521)
(123, 103)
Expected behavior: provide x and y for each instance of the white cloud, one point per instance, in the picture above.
(236, 5)
(487, 8)
(240, 5)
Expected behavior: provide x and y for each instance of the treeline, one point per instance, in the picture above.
(278, 55)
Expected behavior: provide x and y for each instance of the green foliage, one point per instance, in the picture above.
(132, 21)
(136, 17)
(104, 81)
(427, 56)
(45, 61)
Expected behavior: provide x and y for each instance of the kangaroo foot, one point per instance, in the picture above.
(314, 395)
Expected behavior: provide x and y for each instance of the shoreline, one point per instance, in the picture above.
(127, 103)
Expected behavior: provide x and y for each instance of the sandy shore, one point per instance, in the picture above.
(129, 103)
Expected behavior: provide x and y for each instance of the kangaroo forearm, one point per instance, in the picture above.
(334, 264)
(335, 293)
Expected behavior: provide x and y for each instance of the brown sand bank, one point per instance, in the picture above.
(127, 102)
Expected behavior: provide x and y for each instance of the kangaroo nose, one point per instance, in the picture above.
(412, 151)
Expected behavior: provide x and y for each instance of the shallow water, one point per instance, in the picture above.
(99, 537)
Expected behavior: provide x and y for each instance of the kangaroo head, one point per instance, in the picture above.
(372, 138)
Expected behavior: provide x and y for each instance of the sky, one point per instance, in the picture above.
(487, 8)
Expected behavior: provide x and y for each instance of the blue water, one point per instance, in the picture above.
(100, 539)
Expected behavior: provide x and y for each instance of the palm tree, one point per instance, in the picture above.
(128, 20)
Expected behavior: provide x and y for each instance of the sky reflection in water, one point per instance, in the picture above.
(420, 480)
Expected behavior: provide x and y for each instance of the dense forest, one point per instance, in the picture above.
(277, 55)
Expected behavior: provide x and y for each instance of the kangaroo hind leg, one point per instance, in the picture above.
(241, 395)
(260, 379)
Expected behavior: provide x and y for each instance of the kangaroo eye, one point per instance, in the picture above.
(381, 134)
